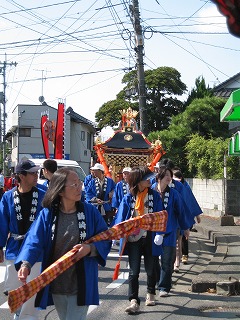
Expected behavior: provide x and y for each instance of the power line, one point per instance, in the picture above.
(198, 54)
(69, 75)
(39, 7)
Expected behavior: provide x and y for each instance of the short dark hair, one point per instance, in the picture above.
(178, 174)
(50, 165)
(162, 172)
(167, 162)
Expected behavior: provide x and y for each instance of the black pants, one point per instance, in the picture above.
(184, 246)
(135, 252)
(1, 193)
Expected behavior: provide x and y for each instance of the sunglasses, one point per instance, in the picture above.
(75, 185)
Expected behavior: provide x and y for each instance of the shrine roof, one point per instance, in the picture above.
(128, 140)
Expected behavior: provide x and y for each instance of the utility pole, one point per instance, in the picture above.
(3, 66)
(139, 49)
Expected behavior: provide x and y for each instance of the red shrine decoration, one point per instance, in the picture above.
(59, 133)
(44, 119)
(231, 10)
(54, 133)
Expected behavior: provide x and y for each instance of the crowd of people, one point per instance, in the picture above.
(39, 224)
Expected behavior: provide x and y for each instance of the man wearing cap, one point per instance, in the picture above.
(121, 189)
(18, 209)
(100, 192)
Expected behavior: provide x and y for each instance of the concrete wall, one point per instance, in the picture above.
(217, 198)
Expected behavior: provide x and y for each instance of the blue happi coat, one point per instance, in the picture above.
(39, 240)
(9, 223)
(178, 217)
(188, 197)
(119, 193)
(191, 200)
(186, 194)
(87, 179)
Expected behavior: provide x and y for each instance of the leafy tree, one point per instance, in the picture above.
(206, 158)
(162, 86)
(233, 167)
(201, 117)
(173, 143)
(201, 90)
(109, 115)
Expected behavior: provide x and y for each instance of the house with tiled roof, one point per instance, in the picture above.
(225, 88)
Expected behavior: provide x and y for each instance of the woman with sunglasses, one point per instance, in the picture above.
(64, 223)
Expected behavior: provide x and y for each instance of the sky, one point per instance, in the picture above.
(78, 51)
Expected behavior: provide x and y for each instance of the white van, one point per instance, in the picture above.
(60, 163)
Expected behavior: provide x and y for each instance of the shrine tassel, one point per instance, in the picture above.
(116, 270)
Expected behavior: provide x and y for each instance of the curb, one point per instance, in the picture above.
(207, 280)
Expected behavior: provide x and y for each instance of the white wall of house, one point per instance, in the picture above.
(81, 144)
(26, 120)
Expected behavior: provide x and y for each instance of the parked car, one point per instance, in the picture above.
(60, 163)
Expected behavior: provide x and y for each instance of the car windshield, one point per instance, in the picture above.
(79, 171)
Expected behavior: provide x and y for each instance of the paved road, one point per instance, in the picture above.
(181, 304)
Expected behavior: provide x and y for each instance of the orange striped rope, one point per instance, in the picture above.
(156, 221)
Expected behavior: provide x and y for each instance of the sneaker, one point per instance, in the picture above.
(133, 308)
(150, 299)
(184, 259)
(163, 294)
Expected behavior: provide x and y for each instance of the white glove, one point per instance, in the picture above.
(158, 240)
